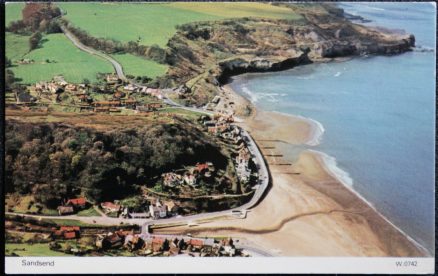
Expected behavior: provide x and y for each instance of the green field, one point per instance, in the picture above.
(65, 59)
(13, 12)
(138, 66)
(155, 23)
(90, 212)
(36, 249)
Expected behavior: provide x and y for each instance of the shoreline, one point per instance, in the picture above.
(327, 163)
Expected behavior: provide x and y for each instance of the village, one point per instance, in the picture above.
(121, 241)
(111, 95)
(164, 199)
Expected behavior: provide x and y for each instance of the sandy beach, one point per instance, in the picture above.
(307, 211)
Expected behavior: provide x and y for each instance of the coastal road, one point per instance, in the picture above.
(78, 44)
(262, 183)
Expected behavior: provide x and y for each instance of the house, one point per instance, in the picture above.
(111, 241)
(190, 179)
(172, 208)
(65, 210)
(174, 248)
(70, 235)
(118, 95)
(77, 203)
(195, 244)
(110, 207)
(71, 87)
(204, 169)
(24, 97)
(228, 247)
(111, 78)
(172, 179)
(129, 87)
(70, 228)
(133, 242)
(157, 244)
(66, 232)
(158, 211)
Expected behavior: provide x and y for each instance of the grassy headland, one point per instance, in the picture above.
(64, 59)
(151, 24)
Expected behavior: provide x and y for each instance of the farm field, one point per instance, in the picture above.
(65, 59)
(13, 12)
(151, 24)
(17, 46)
(138, 66)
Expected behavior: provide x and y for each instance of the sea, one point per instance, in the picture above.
(377, 112)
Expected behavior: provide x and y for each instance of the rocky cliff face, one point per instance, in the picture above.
(205, 54)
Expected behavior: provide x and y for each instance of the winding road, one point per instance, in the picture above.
(78, 44)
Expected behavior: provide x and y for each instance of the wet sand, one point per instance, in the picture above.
(307, 211)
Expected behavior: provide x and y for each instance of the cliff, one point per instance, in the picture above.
(203, 55)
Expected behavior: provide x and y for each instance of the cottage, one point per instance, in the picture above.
(70, 235)
(70, 228)
(172, 208)
(110, 207)
(196, 244)
(159, 244)
(111, 78)
(71, 87)
(190, 179)
(204, 169)
(65, 210)
(174, 249)
(111, 241)
(118, 94)
(172, 179)
(78, 203)
(66, 232)
(129, 87)
(24, 98)
(158, 211)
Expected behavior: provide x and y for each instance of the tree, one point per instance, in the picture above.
(8, 62)
(86, 81)
(9, 79)
(35, 40)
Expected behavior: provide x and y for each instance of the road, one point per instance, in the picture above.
(98, 220)
(78, 44)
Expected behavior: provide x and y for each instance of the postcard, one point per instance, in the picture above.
(220, 137)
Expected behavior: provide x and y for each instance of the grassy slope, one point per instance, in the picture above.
(74, 64)
(16, 46)
(137, 66)
(37, 249)
(155, 23)
(13, 12)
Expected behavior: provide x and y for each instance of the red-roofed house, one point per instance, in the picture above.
(70, 228)
(80, 202)
(70, 235)
(110, 207)
(196, 243)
